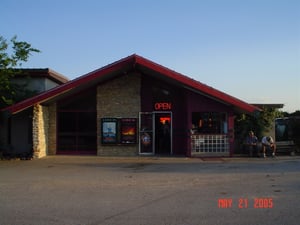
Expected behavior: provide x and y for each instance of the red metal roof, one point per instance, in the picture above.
(133, 61)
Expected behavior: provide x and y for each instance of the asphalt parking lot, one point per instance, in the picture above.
(61, 190)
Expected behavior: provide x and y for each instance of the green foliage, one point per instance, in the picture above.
(12, 55)
(296, 113)
(259, 123)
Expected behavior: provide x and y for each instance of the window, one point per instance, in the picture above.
(77, 124)
(209, 122)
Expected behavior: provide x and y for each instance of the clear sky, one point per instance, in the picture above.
(247, 48)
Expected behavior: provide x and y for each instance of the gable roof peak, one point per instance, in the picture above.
(137, 62)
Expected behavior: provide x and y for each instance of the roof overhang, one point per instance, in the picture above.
(269, 105)
(122, 67)
(193, 85)
(40, 73)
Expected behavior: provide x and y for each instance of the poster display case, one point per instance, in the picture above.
(120, 131)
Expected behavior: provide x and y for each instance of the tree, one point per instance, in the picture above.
(12, 55)
(259, 123)
(296, 113)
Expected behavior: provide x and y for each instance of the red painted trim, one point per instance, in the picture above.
(67, 86)
(197, 85)
(132, 60)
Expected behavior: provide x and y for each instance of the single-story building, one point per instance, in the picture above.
(131, 107)
(16, 130)
(38, 80)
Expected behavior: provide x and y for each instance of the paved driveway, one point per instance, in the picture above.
(63, 190)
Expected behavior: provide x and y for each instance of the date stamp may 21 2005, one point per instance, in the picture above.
(244, 203)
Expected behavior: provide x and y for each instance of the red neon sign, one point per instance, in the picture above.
(164, 119)
(163, 106)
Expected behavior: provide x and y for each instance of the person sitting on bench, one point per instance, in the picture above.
(251, 144)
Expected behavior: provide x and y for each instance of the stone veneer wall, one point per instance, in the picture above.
(40, 131)
(118, 98)
(52, 130)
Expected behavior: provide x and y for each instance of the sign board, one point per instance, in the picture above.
(163, 106)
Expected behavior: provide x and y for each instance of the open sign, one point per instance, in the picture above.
(163, 106)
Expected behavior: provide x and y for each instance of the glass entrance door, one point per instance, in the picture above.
(163, 133)
(146, 126)
(155, 133)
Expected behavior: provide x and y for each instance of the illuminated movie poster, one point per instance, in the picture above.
(109, 130)
(128, 130)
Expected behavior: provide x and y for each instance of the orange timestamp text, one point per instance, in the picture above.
(244, 203)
